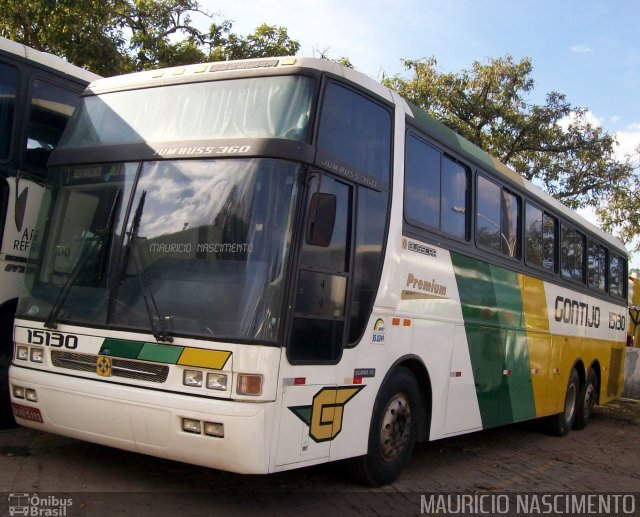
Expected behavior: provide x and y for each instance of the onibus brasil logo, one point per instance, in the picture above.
(21, 503)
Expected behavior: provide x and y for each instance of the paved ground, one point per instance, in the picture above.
(605, 457)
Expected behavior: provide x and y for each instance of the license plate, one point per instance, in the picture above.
(27, 413)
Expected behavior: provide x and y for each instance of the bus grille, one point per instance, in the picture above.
(119, 367)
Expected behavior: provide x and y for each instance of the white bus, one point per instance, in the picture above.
(38, 92)
(268, 264)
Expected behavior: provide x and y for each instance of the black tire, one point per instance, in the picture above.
(393, 432)
(586, 400)
(561, 424)
(6, 354)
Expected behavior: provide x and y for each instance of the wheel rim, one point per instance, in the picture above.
(396, 427)
(589, 399)
(570, 403)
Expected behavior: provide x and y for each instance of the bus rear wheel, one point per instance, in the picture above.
(561, 424)
(393, 431)
(586, 400)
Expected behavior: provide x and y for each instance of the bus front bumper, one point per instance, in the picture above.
(146, 421)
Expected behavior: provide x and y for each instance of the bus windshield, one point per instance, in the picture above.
(265, 107)
(196, 248)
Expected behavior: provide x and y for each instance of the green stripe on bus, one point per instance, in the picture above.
(121, 348)
(160, 353)
(493, 315)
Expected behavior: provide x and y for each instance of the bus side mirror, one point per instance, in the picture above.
(321, 220)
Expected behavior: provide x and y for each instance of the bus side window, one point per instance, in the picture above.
(51, 108)
(436, 189)
(572, 253)
(497, 218)
(617, 275)
(597, 266)
(8, 89)
(540, 230)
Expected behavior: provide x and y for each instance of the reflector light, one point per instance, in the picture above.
(300, 380)
(249, 384)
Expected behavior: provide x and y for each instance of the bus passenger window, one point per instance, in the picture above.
(436, 189)
(617, 274)
(540, 238)
(8, 88)
(597, 266)
(572, 254)
(498, 218)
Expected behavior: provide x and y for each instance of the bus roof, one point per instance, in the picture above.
(202, 72)
(47, 60)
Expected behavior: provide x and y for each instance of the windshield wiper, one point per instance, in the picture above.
(133, 248)
(87, 254)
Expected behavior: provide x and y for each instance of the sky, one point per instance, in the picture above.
(589, 49)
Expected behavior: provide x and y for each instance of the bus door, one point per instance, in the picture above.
(318, 330)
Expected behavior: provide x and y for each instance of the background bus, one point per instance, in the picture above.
(268, 264)
(38, 92)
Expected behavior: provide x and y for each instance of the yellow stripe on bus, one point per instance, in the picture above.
(214, 359)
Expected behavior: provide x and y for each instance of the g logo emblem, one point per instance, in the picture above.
(103, 366)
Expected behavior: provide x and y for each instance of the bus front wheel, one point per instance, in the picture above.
(393, 431)
(561, 424)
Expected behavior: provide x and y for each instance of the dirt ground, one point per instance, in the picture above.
(518, 459)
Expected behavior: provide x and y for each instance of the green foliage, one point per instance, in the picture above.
(553, 144)
(266, 41)
(111, 37)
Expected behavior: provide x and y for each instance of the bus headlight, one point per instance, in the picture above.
(37, 354)
(22, 353)
(249, 384)
(191, 426)
(217, 381)
(192, 378)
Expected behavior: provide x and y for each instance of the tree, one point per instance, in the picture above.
(266, 41)
(553, 144)
(116, 36)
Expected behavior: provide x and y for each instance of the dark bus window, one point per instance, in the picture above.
(370, 232)
(540, 238)
(51, 108)
(318, 329)
(497, 218)
(435, 189)
(572, 254)
(597, 266)
(8, 89)
(356, 131)
(617, 275)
